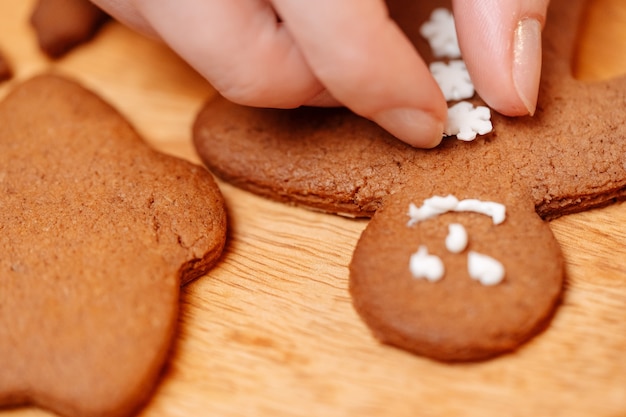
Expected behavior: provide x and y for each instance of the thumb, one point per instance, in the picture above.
(501, 45)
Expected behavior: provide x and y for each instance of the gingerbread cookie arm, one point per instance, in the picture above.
(457, 302)
(326, 159)
(98, 230)
(572, 151)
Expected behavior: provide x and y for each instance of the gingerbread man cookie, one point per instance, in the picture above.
(98, 231)
(569, 157)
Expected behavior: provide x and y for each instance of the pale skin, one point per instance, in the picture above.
(346, 53)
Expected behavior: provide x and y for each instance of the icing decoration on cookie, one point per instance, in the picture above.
(484, 268)
(481, 267)
(424, 265)
(466, 121)
(453, 79)
(441, 34)
(496, 211)
(457, 239)
(434, 206)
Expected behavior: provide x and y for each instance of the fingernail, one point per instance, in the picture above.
(527, 62)
(413, 126)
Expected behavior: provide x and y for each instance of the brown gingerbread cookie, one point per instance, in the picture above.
(568, 157)
(62, 25)
(98, 233)
(332, 160)
(462, 312)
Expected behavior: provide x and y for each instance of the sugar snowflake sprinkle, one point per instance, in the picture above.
(441, 34)
(466, 121)
(453, 79)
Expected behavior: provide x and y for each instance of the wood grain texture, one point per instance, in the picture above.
(272, 332)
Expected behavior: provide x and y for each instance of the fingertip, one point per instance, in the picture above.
(501, 45)
(369, 65)
(416, 127)
(527, 62)
(525, 73)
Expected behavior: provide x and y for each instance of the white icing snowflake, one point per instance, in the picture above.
(441, 34)
(466, 121)
(453, 79)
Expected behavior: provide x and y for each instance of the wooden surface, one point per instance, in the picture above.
(271, 331)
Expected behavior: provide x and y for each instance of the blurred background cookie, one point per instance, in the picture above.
(98, 233)
(61, 25)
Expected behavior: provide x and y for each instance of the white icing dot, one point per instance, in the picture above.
(484, 268)
(424, 265)
(456, 241)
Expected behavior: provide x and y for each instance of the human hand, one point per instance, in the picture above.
(346, 52)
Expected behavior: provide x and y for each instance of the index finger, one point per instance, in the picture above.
(501, 44)
(365, 61)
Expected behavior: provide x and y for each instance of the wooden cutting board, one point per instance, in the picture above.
(271, 331)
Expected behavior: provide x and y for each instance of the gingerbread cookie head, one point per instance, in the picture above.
(98, 233)
(461, 276)
(568, 157)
